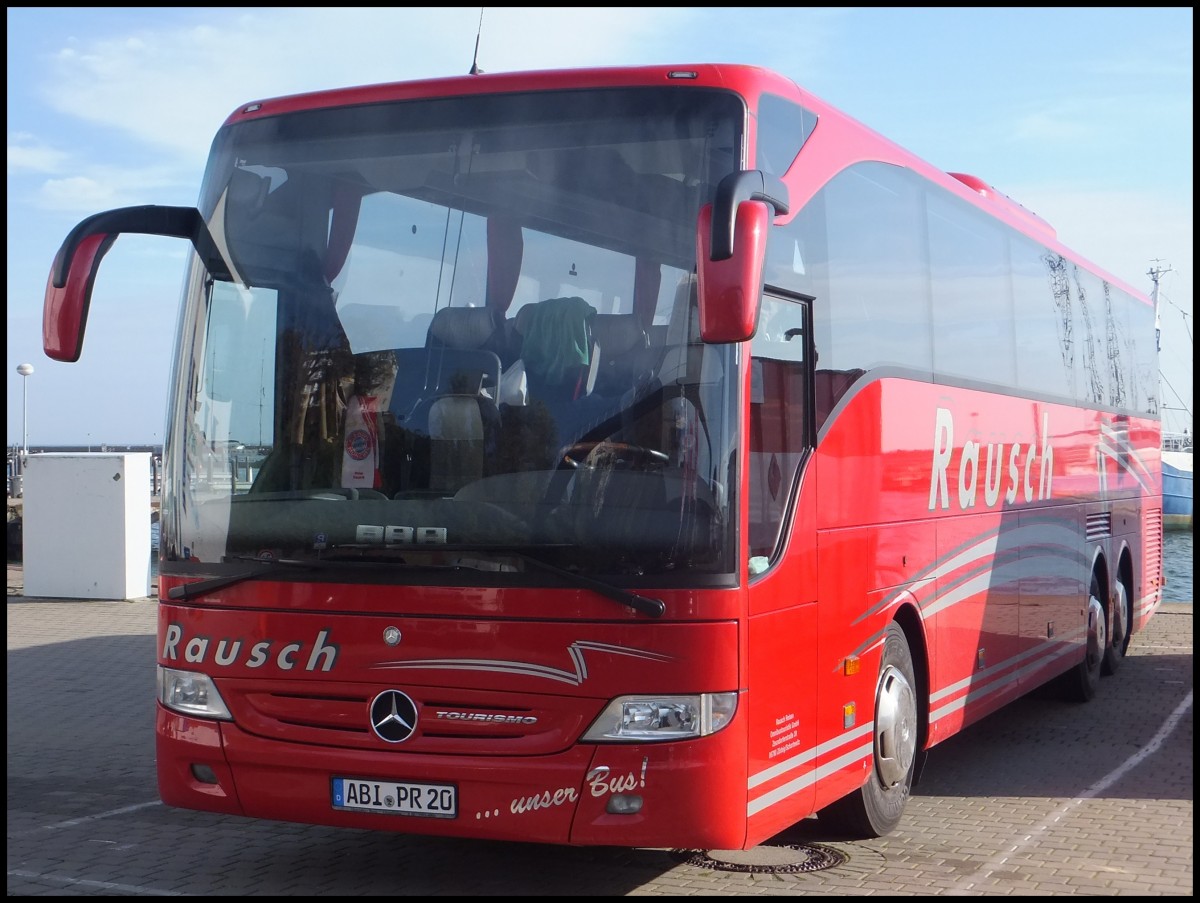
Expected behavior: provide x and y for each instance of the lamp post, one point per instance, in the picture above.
(25, 370)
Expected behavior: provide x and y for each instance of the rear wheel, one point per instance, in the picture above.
(1118, 640)
(875, 809)
(1081, 682)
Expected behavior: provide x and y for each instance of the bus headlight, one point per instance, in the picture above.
(638, 719)
(191, 693)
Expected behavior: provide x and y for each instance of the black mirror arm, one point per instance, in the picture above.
(748, 185)
(172, 222)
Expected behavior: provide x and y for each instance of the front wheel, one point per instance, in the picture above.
(874, 810)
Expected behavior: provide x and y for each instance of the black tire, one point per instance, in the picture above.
(875, 809)
(1081, 682)
(1120, 632)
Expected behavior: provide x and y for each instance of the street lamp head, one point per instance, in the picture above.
(25, 369)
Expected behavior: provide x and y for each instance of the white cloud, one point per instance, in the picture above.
(97, 187)
(77, 193)
(173, 87)
(25, 154)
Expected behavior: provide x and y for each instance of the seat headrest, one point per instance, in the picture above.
(462, 327)
(617, 333)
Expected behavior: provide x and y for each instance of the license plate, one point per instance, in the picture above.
(396, 797)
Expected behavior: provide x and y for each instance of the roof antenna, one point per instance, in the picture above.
(475, 70)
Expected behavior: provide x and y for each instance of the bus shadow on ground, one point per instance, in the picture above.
(1039, 746)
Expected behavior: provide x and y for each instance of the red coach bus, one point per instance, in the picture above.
(641, 457)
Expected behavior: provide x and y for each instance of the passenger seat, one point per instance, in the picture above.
(623, 351)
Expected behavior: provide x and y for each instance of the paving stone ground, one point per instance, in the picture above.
(1044, 798)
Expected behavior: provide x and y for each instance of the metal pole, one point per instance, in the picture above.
(25, 370)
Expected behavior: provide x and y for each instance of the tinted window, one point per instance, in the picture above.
(905, 274)
(1090, 328)
(972, 294)
(1045, 323)
(783, 127)
(877, 310)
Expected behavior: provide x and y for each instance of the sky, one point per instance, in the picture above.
(1082, 115)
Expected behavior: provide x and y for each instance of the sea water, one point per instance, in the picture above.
(1177, 566)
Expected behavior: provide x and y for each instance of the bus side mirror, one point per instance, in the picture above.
(65, 310)
(731, 247)
(69, 286)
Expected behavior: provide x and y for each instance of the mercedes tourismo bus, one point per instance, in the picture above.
(642, 457)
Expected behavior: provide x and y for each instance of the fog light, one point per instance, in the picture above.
(203, 774)
(623, 804)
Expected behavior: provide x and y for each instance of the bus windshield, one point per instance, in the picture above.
(460, 329)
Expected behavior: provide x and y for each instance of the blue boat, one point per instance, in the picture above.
(1177, 482)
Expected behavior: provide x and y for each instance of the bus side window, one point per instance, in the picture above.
(778, 420)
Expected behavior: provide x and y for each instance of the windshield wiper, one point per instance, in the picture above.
(203, 587)
(655, 608)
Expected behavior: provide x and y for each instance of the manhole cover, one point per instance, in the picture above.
(778, 860)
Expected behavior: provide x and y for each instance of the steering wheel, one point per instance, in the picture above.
(612, 454)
